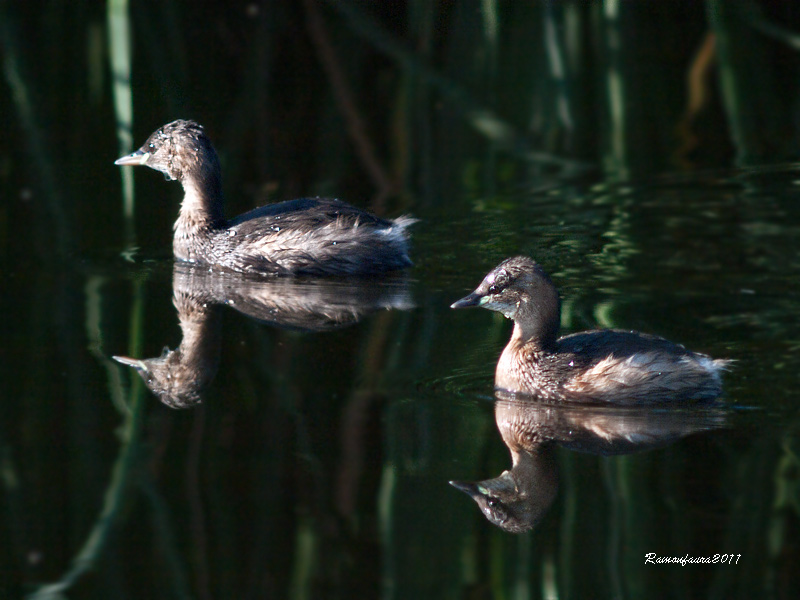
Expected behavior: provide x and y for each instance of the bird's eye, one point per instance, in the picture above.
(492, 502)
(151, 145)
(500, 282)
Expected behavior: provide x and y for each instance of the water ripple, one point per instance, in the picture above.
(461, 383)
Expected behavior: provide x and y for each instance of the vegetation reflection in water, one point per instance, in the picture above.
(451, 106)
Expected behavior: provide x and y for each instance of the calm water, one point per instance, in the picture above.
(326, 418)
(336, 413)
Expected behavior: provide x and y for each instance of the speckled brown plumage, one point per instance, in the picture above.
(310, 236)
(621, 367)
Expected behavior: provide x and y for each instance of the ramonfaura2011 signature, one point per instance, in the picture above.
(651, 558)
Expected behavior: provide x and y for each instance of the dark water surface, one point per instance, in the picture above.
(318, 462)
(326, 418)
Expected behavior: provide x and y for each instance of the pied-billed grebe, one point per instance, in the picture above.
(620, 367)
(311, 236)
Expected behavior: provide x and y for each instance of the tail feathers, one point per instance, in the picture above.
(650, 376)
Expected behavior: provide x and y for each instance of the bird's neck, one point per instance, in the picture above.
(536, 322)
(201, 327)
(535, 336)
(201, 213)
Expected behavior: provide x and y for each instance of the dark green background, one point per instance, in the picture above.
(317, 466)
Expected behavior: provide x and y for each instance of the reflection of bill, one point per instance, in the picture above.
(179, 376)
(518, 498)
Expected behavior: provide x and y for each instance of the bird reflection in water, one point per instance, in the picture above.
(179, 376)
(518, 498)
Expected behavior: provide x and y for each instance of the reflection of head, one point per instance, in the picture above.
(178, 377)
(518, 498)
(176, 383)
